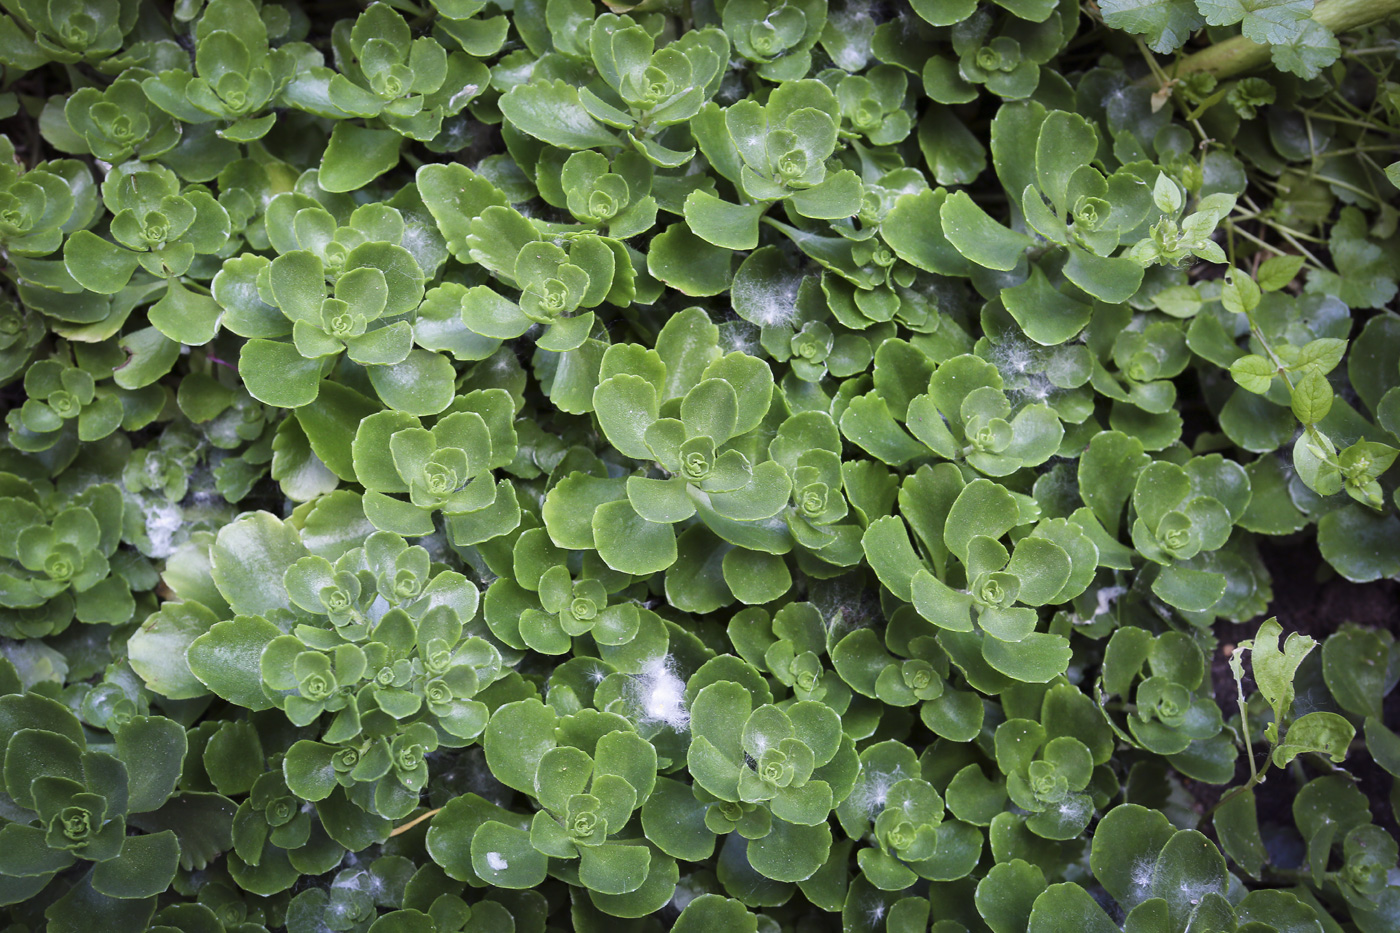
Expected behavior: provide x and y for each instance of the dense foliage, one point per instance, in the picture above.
(727, 465)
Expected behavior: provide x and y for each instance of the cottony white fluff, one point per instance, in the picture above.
(853, 21)
(496, 861)
(464, 95)
(660, 694)
(767, 304)
(1107, 597)
(739, 337)
(1012, 356)
(1072, 808)
(363, 882)
(1142, 874)
(1140, 877)
(873, 790)
(1034, 387)
(420, 239)
(163, 521)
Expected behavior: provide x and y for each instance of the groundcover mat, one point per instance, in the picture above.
(722, 466)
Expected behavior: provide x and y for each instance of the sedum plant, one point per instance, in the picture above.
(236, 75)
(446, 469)
(71, 804)
(762, 465)
(36, 35)
(38, 204)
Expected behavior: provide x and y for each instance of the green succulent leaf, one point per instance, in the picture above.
(521, 466)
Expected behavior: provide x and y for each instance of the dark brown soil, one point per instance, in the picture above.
(1310, 598)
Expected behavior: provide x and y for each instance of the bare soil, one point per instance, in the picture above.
(1312, 599)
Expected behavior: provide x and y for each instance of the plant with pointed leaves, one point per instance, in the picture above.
(1172, 238)
(1286, 373)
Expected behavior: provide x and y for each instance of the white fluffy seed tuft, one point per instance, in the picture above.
(873, 789)
(660, 694)
(767, 303)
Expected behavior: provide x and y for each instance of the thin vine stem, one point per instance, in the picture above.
(414, 822)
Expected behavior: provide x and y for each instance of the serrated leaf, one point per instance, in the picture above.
(1166, 24)
(1307, 53)
(1268, 22)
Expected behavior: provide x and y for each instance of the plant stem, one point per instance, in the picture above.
(1151, 60)
(413, 822)
(1319, 441)
(1256, 777)
(1337, 118)
(1238, 55)
(1244, 730)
